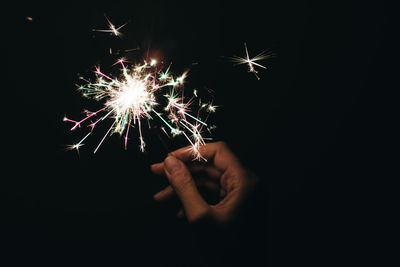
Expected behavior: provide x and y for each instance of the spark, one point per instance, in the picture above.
(211, 108)
(196, 139)
(182, 77)
(79, 144)
(251, 61)
(112, 29)
(164, 75)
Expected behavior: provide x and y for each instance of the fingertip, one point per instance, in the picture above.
(157, 167)
(156, 164)
(159, 197)
(164, 194)
(173, 165)
(156, 197)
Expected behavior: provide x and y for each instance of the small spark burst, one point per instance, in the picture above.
(251, 61)
(112, 29)
(137, 94)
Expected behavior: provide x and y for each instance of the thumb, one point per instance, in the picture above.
(196, 208)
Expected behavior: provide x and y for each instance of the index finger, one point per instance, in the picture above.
(218, 153)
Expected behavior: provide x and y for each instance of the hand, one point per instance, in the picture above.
(223, 172)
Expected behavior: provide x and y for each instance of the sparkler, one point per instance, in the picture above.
(137, 94)
(251, 61)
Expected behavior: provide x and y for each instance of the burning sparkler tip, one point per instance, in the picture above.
(134, 95)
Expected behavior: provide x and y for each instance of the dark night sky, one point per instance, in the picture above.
(305, 128)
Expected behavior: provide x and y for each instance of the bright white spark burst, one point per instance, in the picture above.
(251, 61)
(136, 95)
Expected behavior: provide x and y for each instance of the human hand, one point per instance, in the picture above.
(223, 172)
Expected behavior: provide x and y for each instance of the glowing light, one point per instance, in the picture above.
(137, 94)
(112, 29)
(251, 62)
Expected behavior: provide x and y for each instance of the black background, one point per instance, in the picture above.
(308, 128)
